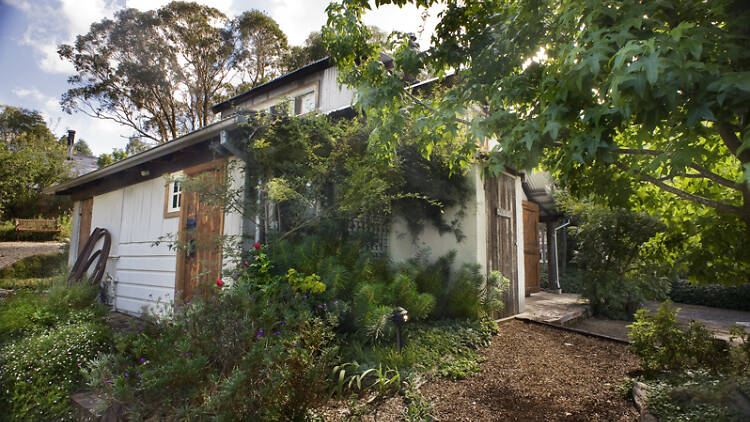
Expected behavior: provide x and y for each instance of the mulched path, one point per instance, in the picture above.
(11, 252)
(535, 373)
(531, 373)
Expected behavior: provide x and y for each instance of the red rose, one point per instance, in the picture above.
(219, 282)
(257, 246)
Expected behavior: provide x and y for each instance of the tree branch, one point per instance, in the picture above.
(704, 172)
(681, 193)
(630, 151)
(729, 136)
(708, 174)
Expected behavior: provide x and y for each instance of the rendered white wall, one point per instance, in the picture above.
(520, 196)
(472, 248)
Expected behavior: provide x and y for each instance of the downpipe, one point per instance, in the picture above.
(558, 289)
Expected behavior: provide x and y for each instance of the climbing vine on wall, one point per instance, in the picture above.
(305, 170)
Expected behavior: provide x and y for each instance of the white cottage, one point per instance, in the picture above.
(138, 206)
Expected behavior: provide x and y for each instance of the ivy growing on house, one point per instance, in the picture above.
(302, 171)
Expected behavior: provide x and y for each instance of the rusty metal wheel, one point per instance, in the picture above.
(86, 258)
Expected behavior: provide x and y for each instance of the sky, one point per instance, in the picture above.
(32, 76)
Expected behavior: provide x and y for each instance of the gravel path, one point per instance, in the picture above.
(11, 252)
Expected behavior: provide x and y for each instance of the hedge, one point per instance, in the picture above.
(714, 295)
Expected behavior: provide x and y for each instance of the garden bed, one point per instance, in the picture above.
(531, 372)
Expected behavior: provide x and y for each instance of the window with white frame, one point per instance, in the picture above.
(295, 104)
(174, 196)
(304, 103)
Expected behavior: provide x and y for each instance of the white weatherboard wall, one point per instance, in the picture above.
(331, 96)
(74, 230)
(233, 220)
(142, 273)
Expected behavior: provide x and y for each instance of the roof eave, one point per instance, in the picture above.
(145, 156)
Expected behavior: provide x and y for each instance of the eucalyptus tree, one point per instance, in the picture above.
(618, 97)
(158, 72)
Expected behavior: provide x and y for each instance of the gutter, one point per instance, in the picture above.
(146, 156)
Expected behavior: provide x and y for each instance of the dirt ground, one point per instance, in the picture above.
(533, 373)
(11, 252)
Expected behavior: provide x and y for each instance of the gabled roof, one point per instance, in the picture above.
(272, 84)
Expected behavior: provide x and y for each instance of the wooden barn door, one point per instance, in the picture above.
(500, 199)
(531, 247)
(201, 227)
(84, 223)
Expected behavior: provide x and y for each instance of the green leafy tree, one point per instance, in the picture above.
(134, 146)
(32, 160)
(159, 72)
(613, 96)
(618, 267)
(313, 49)
(82, 148)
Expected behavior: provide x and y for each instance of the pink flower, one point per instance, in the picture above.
(245, 264)
(257, 246)
(219, 282)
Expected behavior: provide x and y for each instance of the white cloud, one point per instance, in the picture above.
(409, 18)
(101, 135)
(297, 18)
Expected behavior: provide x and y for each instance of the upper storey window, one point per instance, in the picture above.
(304, 103)
(297, 102)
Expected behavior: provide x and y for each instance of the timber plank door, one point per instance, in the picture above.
(201, 227)
(531, 247)
(500, 199)
(84, 226)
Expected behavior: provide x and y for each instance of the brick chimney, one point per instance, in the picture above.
(71, 142)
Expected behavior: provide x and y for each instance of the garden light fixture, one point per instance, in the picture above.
(399, 316)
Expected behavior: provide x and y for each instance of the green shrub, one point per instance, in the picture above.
(617, 271)
(17, 314)
(36, 266)
(368, 287)
(715, 295)
(29, 312)
(447, 347)
(662, 346)
(259, 350)
(695, 396)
